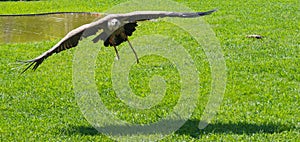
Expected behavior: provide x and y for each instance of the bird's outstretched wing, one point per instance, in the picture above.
(148, 15)
(135, 17)
(73, 37)
(69, 41)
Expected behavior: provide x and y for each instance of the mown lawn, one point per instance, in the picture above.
(261, 102)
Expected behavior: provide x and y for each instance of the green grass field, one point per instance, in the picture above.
(261, 102)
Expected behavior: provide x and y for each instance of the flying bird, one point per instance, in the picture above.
(113, 29)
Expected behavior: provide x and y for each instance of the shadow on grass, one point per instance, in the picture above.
(189, 128)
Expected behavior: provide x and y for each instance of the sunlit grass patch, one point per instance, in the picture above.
(261, 102)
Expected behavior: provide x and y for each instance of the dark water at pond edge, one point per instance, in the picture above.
(25, 28)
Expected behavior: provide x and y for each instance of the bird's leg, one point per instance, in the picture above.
(112, 42)
(136, 56)
(117, 53)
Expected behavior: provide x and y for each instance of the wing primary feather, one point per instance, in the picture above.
(192, 14)
(207, 12)
(26, 67)
(36, 62)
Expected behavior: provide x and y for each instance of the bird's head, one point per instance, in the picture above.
(114, 24)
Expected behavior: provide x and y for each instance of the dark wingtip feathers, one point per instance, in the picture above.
(207, 12)
(27, 66)
(29, 63)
